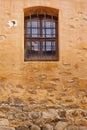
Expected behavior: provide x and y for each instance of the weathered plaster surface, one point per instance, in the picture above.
(69, 74)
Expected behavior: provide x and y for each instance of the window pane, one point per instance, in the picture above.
(53, 24)
(28, 24)
(49, 46)
(35, 46)
(32, 50)
(35, 32)
(27, 31)
(48, 24)
(48, 33)
(35, 23)
(49, 50)
(32, 32)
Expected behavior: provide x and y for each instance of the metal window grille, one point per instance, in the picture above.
(41, 38)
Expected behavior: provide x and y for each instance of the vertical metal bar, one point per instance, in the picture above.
(45, 32)
(52, 36)
(30, 36)
(41, 39)
(37, 24)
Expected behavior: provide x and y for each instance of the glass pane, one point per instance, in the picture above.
(48, 32)
(49, 50)
(53, 31)
(48, 24)
(53, 24)
(35, 46)
(32, 28)
(53, 46)
(28, 44)
(49, 46)
(44, 32)
(32, 50)
(27, 31)
(28, 24)
(32, 23)
(35, 23)
(34, 31)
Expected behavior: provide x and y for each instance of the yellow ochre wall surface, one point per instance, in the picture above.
(69, 71)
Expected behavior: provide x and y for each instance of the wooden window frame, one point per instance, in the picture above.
(40, 38)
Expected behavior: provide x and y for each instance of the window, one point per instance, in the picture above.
(41, 37)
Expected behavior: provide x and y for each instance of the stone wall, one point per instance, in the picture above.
(48, 84)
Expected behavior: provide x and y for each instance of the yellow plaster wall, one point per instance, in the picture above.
(72, 62)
